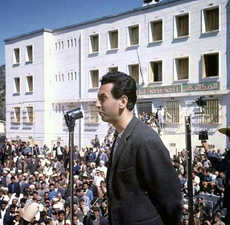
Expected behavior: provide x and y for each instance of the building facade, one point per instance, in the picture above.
(176, 50)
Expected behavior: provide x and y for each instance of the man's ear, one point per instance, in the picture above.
(123, 101)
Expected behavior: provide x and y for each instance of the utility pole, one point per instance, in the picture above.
(189, 166)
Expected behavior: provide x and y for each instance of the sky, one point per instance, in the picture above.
(22, 16)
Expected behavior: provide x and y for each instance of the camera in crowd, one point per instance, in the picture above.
(203, 135)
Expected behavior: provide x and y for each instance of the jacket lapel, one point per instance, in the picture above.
(120, 148)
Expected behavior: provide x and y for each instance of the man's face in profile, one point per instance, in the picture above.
(108, 106)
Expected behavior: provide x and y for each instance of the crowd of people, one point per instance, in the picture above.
(157, 119)
(31, 179)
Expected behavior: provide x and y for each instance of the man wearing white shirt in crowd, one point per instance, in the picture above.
(102, 167)
(48, 170)
(195, 182)
(98, 178)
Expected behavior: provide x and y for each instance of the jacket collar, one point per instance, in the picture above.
(120, 148)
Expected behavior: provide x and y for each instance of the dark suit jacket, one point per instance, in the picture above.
(17, 188)
(143, 187)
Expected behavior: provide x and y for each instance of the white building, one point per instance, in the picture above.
(177, 50)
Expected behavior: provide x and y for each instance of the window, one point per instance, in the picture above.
(94, 78)
(156, 33)
(28, 115)
(94, 43)
(16, 56)
(156, 71)
(134, 72)
(182, 25)
(210, 20)
(16, 115)
(113, 39)
(182, 68)
(211, 65)
(172, 112)
(29, 84)
(17, 85)
(29, 53)
(211, 112)
(113, 69)
(93, 116)
(133, 33)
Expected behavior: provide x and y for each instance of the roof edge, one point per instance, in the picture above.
(27, 34)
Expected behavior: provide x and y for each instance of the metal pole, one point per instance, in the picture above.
(71, 154)
(189, 166)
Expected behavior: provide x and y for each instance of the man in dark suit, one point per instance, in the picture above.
(142, 185)
(59, 150)
(9, 216)
(14, 187)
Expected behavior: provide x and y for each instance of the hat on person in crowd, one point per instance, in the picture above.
(185, 206)
(102, 161)
(5, 188)
(68, 222)
(54, 199)
(6, 198)
(39, 198)
(84, 175)
(32, 186)
(56, 206)
(202, 152)
(225, 131)
(7, 170)
(75, 176)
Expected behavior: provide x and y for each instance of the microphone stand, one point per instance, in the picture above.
(71, 126)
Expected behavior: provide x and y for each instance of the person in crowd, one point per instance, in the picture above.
(9, 215)
(216, 219)
(96, 142)
(140, 157)
(59, 151)
(14, 187)
(222, 166)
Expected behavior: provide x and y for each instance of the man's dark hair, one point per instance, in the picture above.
(123, 84)
(12, 206)
(22, 200)
(61, 212)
